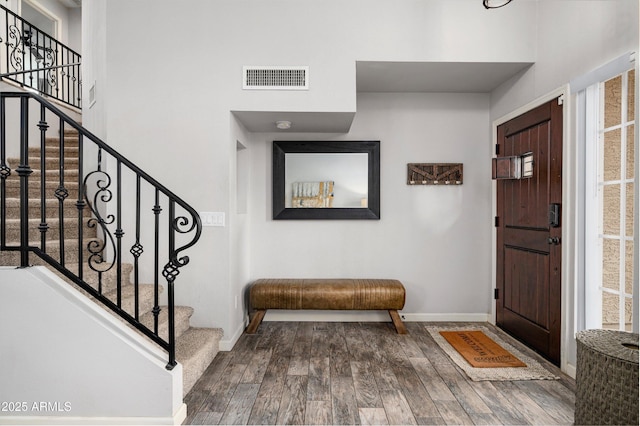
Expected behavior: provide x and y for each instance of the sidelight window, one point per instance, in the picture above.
(610, 202)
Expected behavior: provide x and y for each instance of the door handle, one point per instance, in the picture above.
(554, 240)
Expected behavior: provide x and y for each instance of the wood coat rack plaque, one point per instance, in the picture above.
(434, 174)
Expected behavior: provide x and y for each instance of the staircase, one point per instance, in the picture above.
(195, 348)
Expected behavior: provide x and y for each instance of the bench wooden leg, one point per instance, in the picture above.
(255, 322)
(397, 322)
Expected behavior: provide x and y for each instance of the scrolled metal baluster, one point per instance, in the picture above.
(96, 260)
(15, 57)
(50, 75)
(177, 225)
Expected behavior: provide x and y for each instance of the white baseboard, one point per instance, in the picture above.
(177, 419)
(227, 344)
(471, 317)
(570, 370)
(369, 316)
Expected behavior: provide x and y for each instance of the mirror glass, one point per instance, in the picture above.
(326, 180)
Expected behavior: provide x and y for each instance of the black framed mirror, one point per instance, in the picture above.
(326, 180)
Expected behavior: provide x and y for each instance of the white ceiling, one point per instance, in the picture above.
(72, 3)
(459, 77)
(371, 76)
(314, 122)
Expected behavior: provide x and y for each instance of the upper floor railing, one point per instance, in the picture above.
(89, 212)
(33, 59)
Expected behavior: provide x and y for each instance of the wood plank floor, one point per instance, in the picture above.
(319, 373)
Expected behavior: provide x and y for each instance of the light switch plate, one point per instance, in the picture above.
(212, 218)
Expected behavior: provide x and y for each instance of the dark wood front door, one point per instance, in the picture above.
(528, 301)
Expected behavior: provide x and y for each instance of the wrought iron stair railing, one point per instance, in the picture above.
(33, 59)
(131, 216)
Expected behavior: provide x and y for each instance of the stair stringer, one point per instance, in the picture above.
(195, 347)
(64, 350)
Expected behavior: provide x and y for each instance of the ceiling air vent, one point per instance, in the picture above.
(275, 78)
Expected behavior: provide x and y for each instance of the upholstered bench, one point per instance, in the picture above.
(327, 294)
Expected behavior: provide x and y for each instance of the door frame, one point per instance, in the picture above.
(569, 226)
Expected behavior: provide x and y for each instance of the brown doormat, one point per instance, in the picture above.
(479, 350)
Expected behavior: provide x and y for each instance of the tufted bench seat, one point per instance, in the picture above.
(327, 294)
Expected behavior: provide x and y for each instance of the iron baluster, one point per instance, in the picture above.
(66, 76)
(136, 251)
(182, 225)
(43, 227)
(5, 172)
(94, 191)
(170, 273)
(52, 73)
(96, 248)
(34, 58)
(24, 171)
(119, 233)
(80, 204)
(61, 193)
(23, 56)
(156, 263)
(6, 38)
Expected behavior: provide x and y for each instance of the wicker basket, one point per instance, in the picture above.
(607, 378)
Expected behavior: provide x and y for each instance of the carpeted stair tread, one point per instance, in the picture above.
(182, 316)
(52, 174)
(54, 150)
(12, 258)
(109, 278)
(13, 188)
(70, 139)
(195, 350)
(52, 161)
(69, 243)
(127, 298)
(53, 233)
(52, 208)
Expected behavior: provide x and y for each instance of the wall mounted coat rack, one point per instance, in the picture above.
(434, 174)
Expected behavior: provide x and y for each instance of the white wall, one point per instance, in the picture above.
(435, 239)
(573, 38)
(77, 358)
(240, 180)
(171, 95)
(93, 66)
(75, 29)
